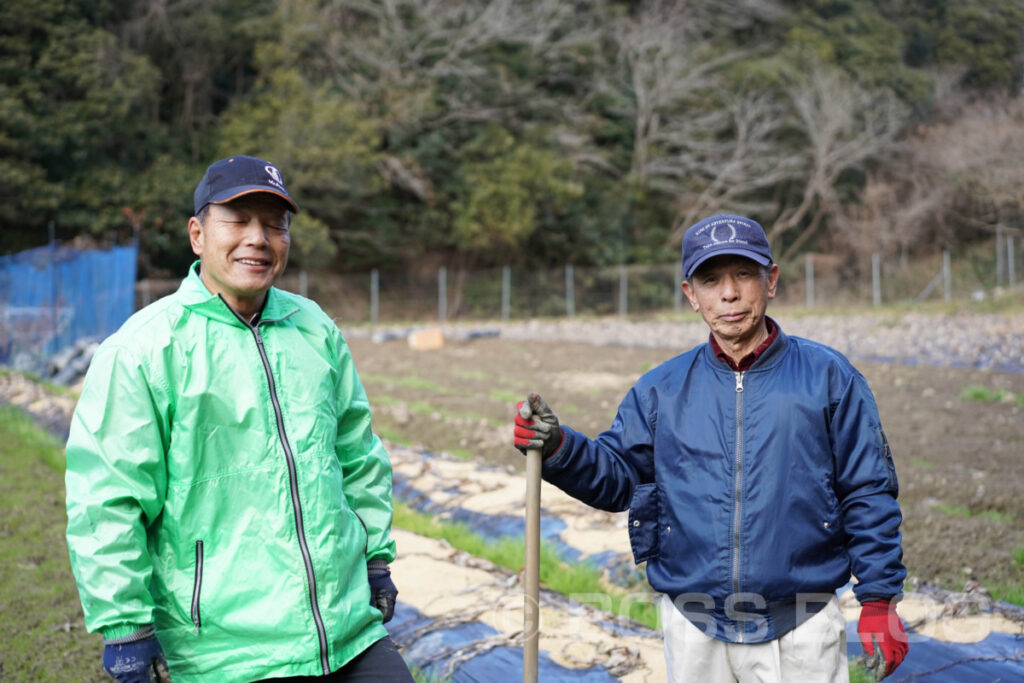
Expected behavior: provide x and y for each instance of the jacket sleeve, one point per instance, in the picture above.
(116, 482)
(365, 464)
(603, 472)
(866, 488)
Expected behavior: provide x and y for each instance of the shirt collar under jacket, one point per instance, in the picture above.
(750, 358)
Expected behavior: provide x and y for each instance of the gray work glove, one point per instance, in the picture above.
(536, 426)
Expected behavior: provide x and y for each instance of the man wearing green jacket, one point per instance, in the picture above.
(229, 507)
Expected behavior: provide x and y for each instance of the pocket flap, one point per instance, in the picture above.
(644, 513)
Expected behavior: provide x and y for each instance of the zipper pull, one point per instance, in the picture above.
(739, 382)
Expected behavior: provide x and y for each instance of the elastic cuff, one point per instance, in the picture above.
(127, 633)
(377, 566)
(555, 454)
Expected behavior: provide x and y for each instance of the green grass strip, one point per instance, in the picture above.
(46, 639)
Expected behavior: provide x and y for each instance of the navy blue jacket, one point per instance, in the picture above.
(753, 495)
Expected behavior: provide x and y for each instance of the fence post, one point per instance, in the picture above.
(570, 292)
(442, 294)
(374, 295)
(1011, 271)
(947, 279)
(623, 290)
(809, 279)
(876, 279)
(677, 296)
(506, 292)
(999, 255)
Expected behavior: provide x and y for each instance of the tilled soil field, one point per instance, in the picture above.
(957, 433)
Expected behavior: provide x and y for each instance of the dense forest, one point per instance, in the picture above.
(470, 133)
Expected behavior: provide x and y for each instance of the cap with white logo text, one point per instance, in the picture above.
(724, 234)
(235, 176)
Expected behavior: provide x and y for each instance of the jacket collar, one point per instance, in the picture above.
(197, 298)
(768, 357)
(774, 352)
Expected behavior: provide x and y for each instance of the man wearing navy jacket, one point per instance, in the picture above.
(757, 478)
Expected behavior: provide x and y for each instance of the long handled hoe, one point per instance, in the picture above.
(531, 579)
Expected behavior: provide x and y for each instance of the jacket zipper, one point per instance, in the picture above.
(300, 528)
(197, 587)
(738, 491)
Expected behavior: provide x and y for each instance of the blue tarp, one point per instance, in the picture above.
(432, 650)
(998, 657)
(50, 297)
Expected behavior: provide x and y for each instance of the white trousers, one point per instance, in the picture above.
(813, 652)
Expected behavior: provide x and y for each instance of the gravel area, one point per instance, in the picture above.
(977, 340)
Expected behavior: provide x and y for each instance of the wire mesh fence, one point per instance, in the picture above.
(813, 281)
(822, 281)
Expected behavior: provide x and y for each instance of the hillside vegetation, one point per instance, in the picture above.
(470, 133)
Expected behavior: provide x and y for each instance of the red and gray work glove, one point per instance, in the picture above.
(383, 593)
(882, 635)
(136, 658)
(536, 426)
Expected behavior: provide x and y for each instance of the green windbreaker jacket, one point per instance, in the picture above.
(223, 483)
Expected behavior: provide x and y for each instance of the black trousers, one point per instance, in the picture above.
(377, 663)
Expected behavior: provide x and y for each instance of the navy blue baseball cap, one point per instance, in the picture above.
(235, 176)
(724, 234)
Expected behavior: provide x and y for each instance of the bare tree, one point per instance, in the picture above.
(725, 157)
(665, 58)
(961, 172)
(845, 126)
(980, 153)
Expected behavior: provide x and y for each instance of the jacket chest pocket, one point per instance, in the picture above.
(644, 516)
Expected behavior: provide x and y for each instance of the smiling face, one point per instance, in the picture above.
(243, 248)
(731, 293)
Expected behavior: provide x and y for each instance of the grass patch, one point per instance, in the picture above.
(45, 639)
(424, 384)
(921, 462)
(976, 392)
(409, 383)
(858, 674)
(954, 510)
(982, 394)
(473, 374)
(962, 511)
(1007, 591)
(420, 677)
(505, 396)
(579, 581)
(51, 388)
(1012, 590)
(568, 409)
(393, 436)
(422, 407)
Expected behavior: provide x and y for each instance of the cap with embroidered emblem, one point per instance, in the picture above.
(724, 234)
(235, 176)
